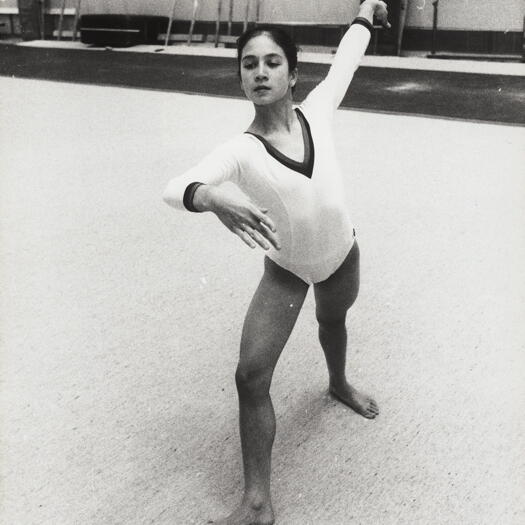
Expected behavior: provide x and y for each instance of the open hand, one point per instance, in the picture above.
(242, 216)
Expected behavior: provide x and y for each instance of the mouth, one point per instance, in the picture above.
(262, 89)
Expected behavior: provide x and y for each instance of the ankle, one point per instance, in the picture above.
(256, 501)
(337, 383)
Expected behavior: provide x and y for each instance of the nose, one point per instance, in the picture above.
(261, 71)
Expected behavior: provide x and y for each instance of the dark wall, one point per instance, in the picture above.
(29, 12)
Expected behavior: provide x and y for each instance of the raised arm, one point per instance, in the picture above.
(351, 50)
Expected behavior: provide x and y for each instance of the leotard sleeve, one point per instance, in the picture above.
(219, 166)
(329, 93)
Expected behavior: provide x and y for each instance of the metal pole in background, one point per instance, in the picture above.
(218, 23)
(257, 11)
(230, 18)
(246, 15)
(403, 9)
(170, 23)
(434, 27)
(42, 19)
(523, 50)
(193, 19)
(61, 19)
(75, 22)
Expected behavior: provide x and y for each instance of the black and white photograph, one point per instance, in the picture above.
(262, 262)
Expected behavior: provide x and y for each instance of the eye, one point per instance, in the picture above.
(249, 65)
(274, 64)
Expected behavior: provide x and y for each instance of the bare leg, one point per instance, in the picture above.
(333, 298)
(270, 319)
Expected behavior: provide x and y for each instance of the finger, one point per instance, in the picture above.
(263, 229)
(257, 237)
(245, 237)
(260, 215)
(384, 21)
(383, 18)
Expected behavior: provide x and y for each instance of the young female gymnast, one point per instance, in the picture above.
(279, 186)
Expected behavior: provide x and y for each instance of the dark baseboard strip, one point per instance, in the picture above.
(414, 39)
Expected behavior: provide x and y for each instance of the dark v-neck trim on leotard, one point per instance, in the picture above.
(307, 166)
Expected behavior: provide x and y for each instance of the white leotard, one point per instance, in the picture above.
(310, 213)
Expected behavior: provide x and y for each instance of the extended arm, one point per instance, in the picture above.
(211, 186)
(238, 213)
(352, 48)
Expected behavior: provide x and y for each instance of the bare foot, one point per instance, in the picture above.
(360, 403)
(249, 515)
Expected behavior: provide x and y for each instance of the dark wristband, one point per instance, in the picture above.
(189, 194)
(363, 22)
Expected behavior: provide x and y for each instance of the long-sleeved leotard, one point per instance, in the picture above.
(305, 200)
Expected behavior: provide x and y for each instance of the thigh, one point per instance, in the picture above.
(335, 295)
(271, 316)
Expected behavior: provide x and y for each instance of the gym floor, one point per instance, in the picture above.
(121, 317)
(396, 87)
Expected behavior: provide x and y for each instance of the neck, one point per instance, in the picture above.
(276, 117)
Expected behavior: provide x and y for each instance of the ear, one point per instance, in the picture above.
(294, 76)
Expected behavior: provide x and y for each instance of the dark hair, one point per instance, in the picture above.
(278, 35)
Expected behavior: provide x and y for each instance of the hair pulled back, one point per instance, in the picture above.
(278, 35)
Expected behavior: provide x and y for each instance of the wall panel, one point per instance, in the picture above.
(500, 15)
(496, 15)
(271, 10)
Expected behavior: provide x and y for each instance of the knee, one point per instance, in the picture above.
(334, 318)
(332, 322)
(252, 381)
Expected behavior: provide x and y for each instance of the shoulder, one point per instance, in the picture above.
(316, 103)
(236, 153)
(237, 144)
(247, 147)
(232, 149)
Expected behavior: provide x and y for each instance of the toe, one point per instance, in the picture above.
(372, 411)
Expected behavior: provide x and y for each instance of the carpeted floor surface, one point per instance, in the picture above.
(121, 318)
(492, 98)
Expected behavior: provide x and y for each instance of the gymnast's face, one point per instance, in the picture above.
(265, 74)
